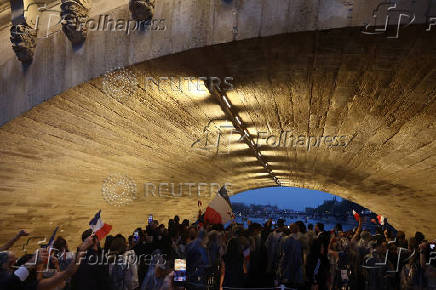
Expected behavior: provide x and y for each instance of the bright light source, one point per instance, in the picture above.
(238, 120)
(196, 91)
(239, 146)
(226, 101)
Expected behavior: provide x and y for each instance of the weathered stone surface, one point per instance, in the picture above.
(56, 158)
(188, 24)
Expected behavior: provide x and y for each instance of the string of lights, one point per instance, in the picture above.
(228, 109)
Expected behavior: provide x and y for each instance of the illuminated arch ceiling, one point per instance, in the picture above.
(56, 157)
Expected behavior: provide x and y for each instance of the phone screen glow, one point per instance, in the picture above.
(180, 270)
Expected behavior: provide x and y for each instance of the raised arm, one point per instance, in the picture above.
(60, 277)
(358, 231)
(9, 244)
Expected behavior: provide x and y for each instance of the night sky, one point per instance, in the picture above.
(284, 197)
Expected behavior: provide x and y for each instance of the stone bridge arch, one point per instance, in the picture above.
(67, 138)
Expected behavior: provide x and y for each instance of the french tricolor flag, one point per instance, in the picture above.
(219, 210)
(356, 215)
(52, 238)
(98, 227)
(381, 219)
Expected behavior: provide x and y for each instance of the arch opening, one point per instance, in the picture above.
(299, 204)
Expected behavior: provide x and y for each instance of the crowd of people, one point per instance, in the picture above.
(282, 256)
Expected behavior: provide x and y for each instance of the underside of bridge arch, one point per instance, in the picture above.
(377, 93)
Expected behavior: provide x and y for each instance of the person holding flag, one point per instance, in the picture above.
(93, 273)
(381, 220)
(98, 227)
(21, 278)
(51, 265)
(356, 215)
(50, 249)
(219, 210)
(52, 238)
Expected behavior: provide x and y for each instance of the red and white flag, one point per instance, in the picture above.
(219, 210)
(381, 219)
(98, 227)
(356, 215)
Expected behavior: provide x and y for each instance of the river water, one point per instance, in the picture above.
(329, 223)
